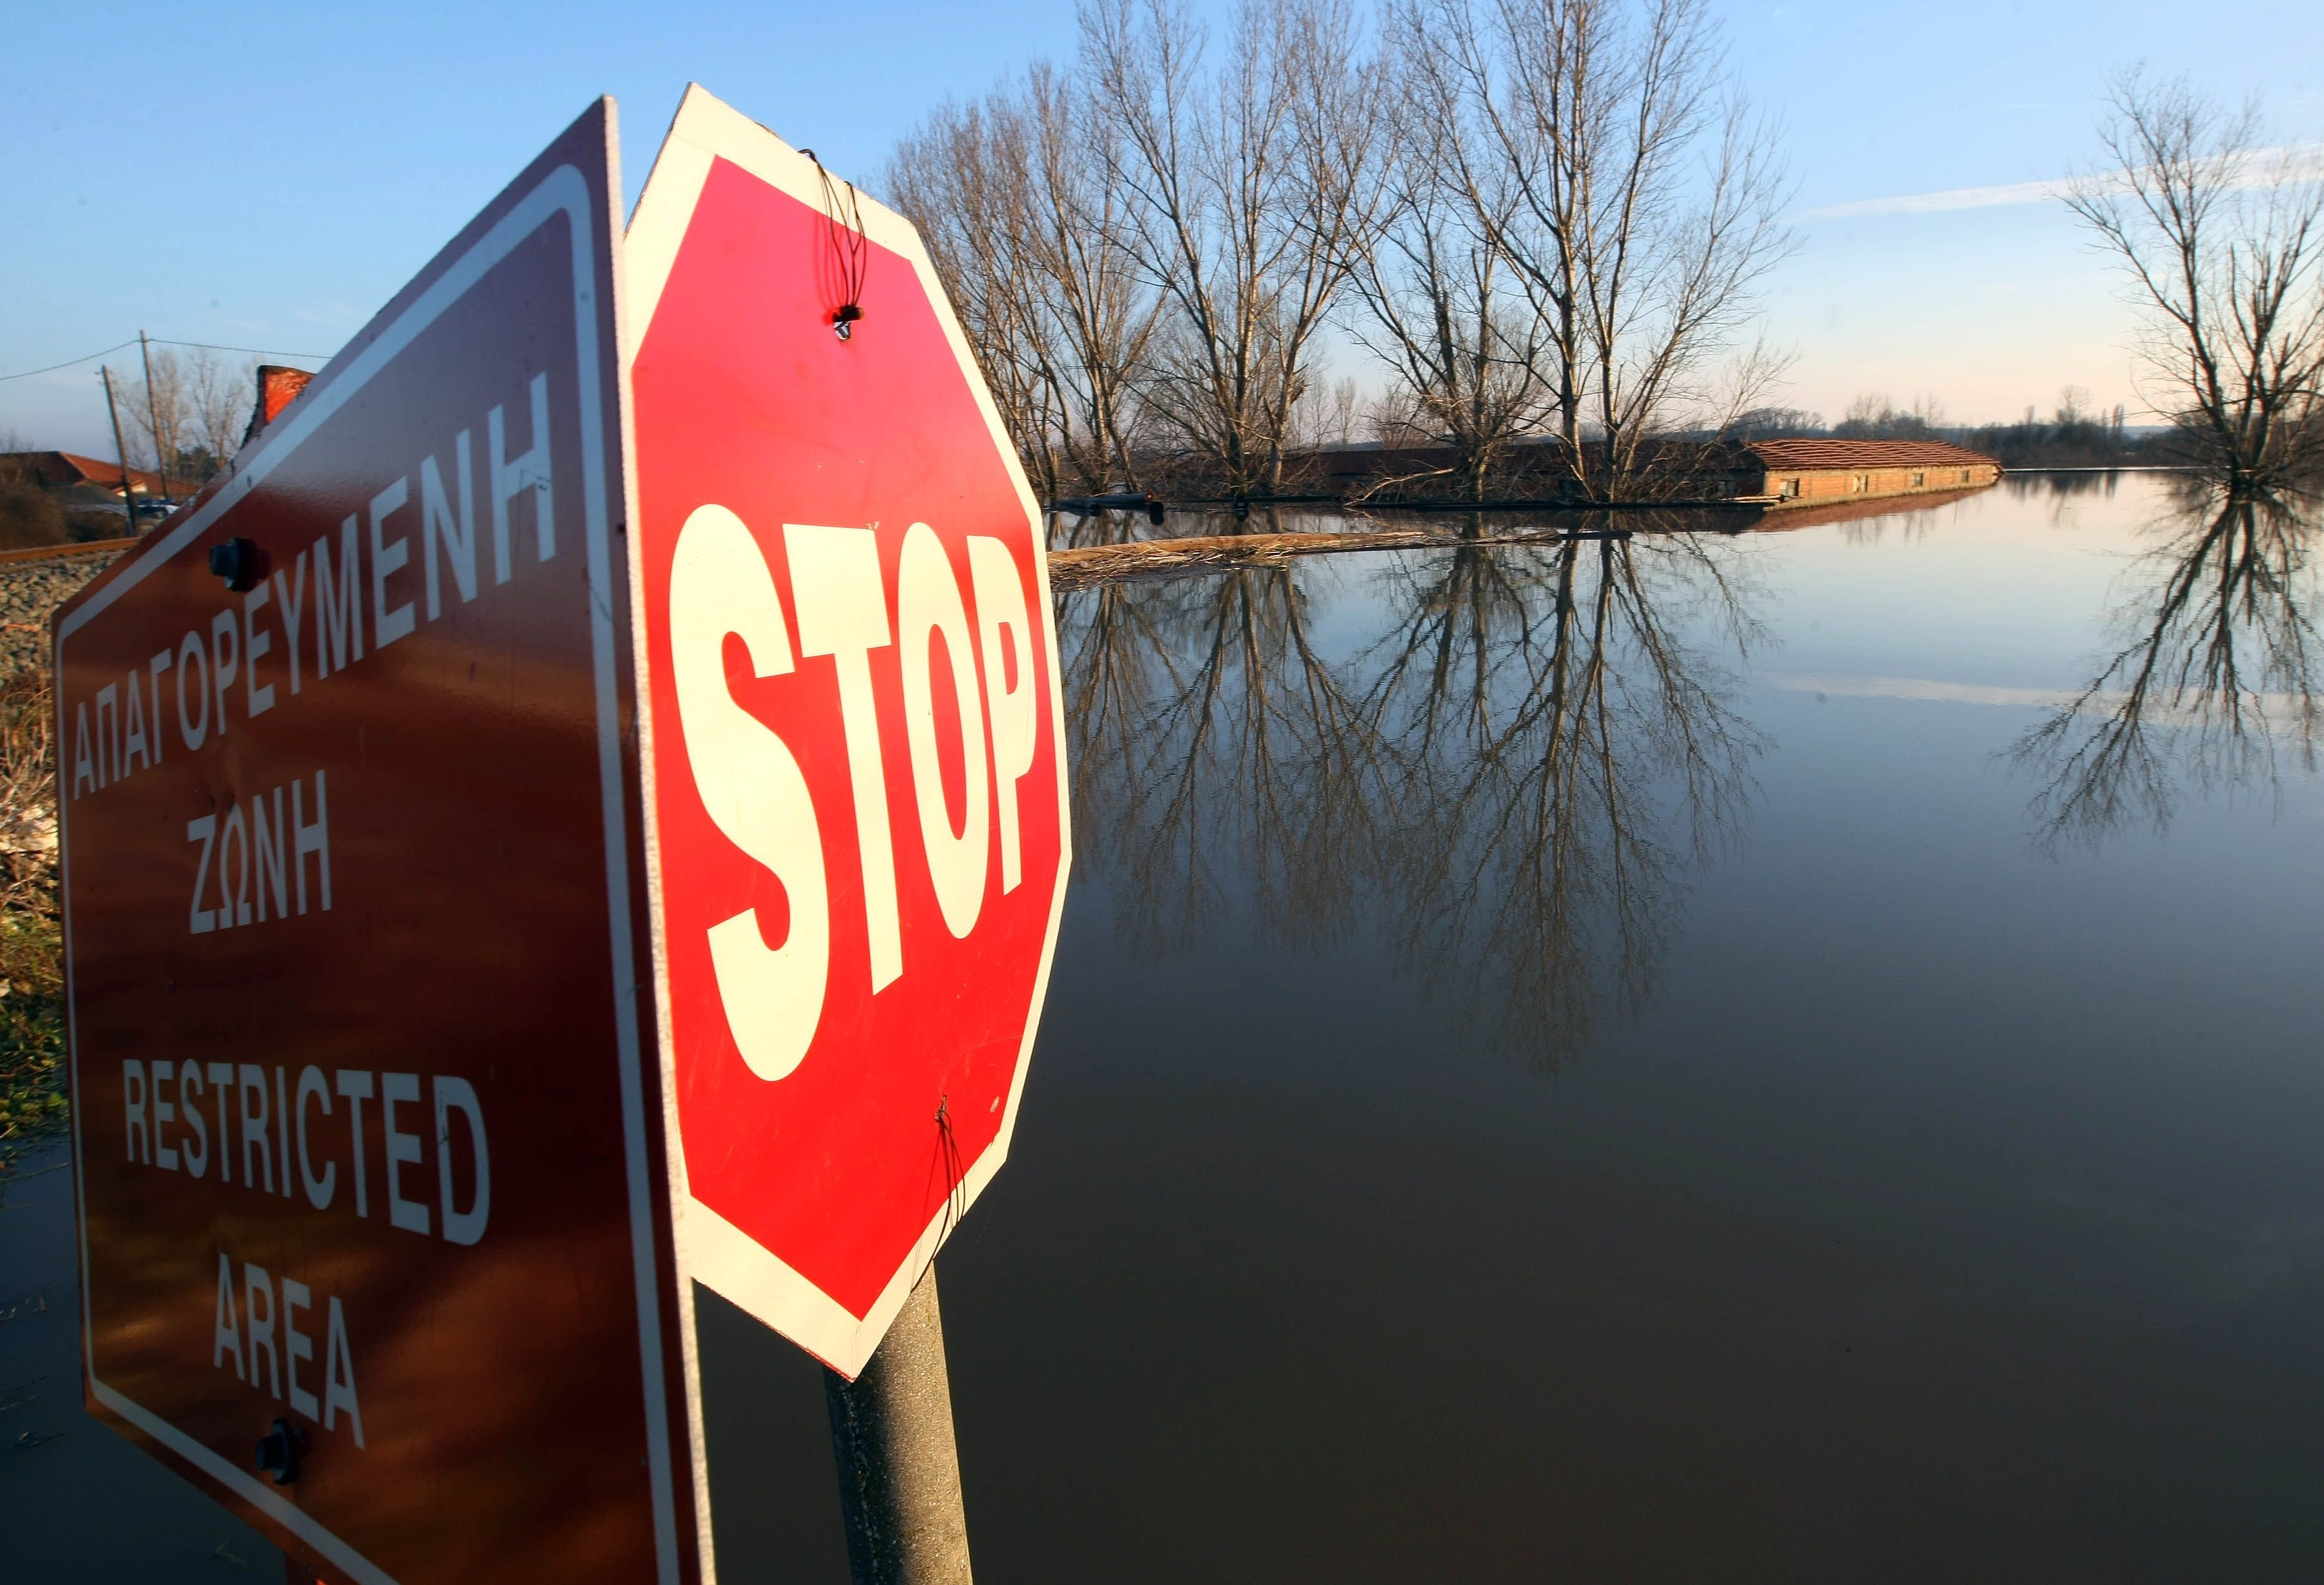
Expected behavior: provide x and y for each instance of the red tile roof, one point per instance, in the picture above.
(1810, 455)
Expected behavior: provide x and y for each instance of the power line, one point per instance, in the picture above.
(205, 346)
(68, 363)
(253, 351)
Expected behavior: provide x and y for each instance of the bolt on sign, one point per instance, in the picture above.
(563, 817)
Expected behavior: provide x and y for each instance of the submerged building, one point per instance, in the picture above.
(1772, 474)
(1818, 472)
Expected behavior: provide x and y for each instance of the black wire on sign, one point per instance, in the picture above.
(849, 253)
(956, 1175)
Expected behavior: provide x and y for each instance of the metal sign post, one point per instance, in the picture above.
(898, 1465)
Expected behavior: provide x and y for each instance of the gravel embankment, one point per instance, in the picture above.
(29, 591)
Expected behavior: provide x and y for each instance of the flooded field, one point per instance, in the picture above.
(1780, 1056)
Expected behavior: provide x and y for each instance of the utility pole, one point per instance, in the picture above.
(899, 1468)
(128, 494)
(153, 416)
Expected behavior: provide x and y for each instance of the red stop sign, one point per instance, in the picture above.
(851, 734)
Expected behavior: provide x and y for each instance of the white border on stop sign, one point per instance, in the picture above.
(711, 1249)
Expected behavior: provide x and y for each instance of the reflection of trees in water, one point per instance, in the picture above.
(2062, 494)
(1909, 525)
(2049, 485)
(1517, 779)
(2212, 683)
(1075, 531)
(1216, 749)
(1913, 520)
(1565, 757)
(1070, 531)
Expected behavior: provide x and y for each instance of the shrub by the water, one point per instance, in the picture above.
(85, 525)
(30, 516)
(32, 1032)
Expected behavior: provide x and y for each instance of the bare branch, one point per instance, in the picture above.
(2218, 241)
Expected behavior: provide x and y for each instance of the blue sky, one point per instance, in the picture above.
(266, 176)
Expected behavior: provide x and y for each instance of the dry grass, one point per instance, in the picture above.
(32, 966)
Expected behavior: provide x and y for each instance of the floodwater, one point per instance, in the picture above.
(78, 1503)
(1747, 1079)
(1787, 1056)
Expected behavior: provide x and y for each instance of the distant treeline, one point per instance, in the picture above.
(2074, 435)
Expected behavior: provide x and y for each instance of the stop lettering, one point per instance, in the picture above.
(852, 728)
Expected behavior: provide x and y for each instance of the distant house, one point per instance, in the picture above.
(85, 481)
(1814, 472)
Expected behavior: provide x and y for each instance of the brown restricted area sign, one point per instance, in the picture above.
(367, 1120)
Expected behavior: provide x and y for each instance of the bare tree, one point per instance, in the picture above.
(1442, 307)
(1876, 416)
(1254, 189)
(159, 415)
(2219, 239)
(218, 398)
(1014, 196)
(1645, 210)
(1105, 312)
(1551, 216)
(961, 177)
(1326, 414)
